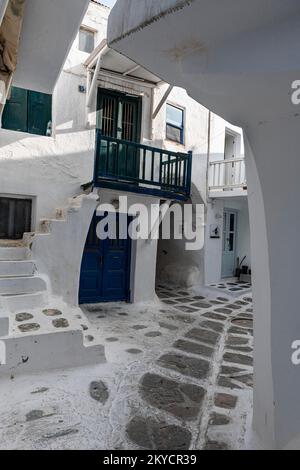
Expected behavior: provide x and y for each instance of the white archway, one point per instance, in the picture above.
(239, 59)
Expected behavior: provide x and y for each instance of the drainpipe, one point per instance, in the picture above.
(208, 154)
(151, 130)
(162, 101)
(92, 85)
(88, 88)
(154, 112)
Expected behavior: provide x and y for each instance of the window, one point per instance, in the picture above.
(28, 111)
(15, 217)
(175, 124)
(86, 40)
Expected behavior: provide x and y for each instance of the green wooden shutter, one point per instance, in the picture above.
(15, 111)
(39, 112)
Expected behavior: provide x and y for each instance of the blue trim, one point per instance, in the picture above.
(101, 183)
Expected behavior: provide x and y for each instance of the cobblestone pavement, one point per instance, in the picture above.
(232, 287)
(178, 376)
(212, 365)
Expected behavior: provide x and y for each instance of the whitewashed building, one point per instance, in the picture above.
(98, 128)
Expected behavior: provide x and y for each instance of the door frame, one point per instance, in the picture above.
(236, 212)
(128, 273)
(119, 94)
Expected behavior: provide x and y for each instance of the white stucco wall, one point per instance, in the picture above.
(195, 134)
(175, 264)
(58, 252)
(214, 247)
(219, 127)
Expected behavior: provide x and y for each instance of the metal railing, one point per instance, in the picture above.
(227, 174)
(141, 168)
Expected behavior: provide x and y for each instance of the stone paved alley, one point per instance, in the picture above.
(178, 376)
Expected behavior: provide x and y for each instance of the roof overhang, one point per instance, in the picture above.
(116, 64)
(48, 32)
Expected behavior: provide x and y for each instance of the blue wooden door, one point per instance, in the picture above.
(105, 269)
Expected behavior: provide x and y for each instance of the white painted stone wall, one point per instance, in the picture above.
(195, 136)
(58, 252)
(175, 264)
(217, 141)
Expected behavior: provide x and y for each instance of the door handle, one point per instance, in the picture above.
(101, 259)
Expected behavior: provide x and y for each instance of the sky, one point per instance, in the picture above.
(109, 3)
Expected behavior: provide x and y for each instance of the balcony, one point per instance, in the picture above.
(227, 178)
(133, 167)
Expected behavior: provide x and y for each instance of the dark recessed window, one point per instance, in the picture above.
(15, 217)
(86, 40)
(28, 111)
(175, 124)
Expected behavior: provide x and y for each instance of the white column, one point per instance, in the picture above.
(274, 194)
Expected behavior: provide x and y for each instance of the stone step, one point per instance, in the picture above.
(50, 337)
(7, 243)
(75, 201)
(46, 225)
(17, 268)
(25, 302)
(14, 253)
(39, 352)
(60, 214)
(21, 285)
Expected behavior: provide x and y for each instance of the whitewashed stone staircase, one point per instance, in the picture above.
(39, 330)
(20, 286)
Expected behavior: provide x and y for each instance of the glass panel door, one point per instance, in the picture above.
(229, 243)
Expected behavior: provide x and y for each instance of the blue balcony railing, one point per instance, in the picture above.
(134, 167)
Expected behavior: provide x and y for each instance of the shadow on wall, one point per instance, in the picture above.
(176, 265)
(39, 167)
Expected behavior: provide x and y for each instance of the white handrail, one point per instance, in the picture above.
(227, 174)
(229, 160)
